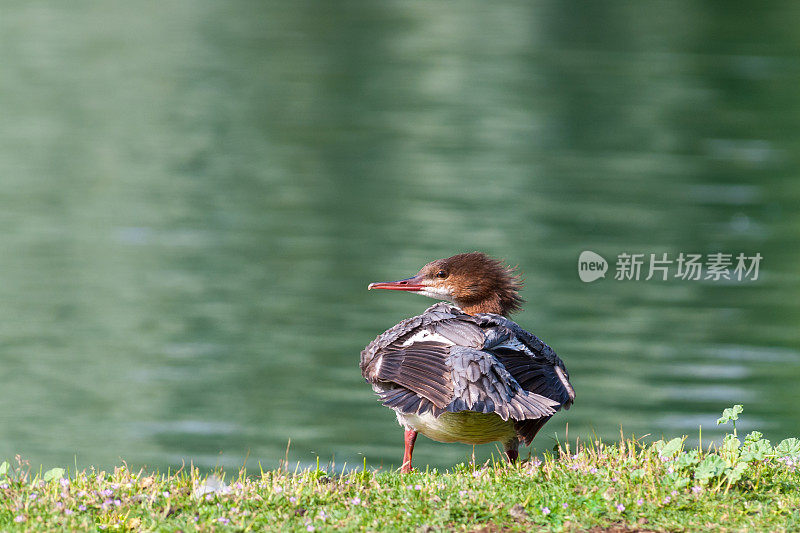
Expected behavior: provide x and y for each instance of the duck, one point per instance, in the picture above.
(462, 371)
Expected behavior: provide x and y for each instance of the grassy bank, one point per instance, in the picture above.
(744, 484)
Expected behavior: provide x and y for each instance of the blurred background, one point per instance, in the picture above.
(196, 194)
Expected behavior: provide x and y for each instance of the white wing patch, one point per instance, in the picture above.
(426, 335)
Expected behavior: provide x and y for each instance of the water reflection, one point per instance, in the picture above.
(196, 197)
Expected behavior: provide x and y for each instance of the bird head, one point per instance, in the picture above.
(473, 281)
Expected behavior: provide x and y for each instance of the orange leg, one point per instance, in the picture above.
(410, 437)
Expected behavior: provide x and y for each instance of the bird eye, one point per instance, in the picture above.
(441, 274)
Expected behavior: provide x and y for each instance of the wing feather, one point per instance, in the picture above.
(419, 368)
(446, 360)
(533, 363)
(480, 379)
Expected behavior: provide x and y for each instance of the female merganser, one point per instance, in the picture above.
(464, 372)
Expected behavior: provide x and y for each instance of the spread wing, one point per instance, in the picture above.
(441, 322)
(534, 365)
(415, 379)
(408, 365)
(435, 363)
(481, 383)
(528, 359)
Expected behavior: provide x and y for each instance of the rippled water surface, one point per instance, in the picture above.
(196, 194)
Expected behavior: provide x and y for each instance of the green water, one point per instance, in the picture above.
(196, 194)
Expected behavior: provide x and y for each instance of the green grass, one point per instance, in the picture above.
(744, 485)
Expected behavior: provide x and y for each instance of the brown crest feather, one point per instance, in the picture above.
(481, 284)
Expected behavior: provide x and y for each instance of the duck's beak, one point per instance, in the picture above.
(413, 284)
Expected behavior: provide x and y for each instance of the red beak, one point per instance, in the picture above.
(408, 284)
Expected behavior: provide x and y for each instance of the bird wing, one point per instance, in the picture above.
(408, 364)
(441, 322)
(414, 379)
(434, 362)
(531, 362)
(481, 383)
